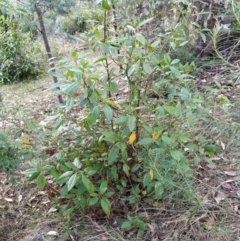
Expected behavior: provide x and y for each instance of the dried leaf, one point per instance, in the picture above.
(26, 141)
(219, 196)
(104, 238)
(226, 185)
(155, 136)
(10, 200)
(20, 197)
(52, 233)
(144, 192)
(151, 173)
(132, 138)
(237, 178)
(231, 173)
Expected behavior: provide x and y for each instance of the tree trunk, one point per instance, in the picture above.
(47, 46)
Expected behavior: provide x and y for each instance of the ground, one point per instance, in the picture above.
(27, 214)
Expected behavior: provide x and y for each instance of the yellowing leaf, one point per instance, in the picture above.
(175, 125)
(132, 138)
(155, 136)
(210, 153)
(111, 103)
(144, 192)
(26, 141)
(151, 174)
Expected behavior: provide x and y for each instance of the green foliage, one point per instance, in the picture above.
(79, 21)
(135, 149)
(19, 57)
(11, 153)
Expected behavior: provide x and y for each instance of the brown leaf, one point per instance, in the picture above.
(104, 238)
(231, 173)
(219, 196)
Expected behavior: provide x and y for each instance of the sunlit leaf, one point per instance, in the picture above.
(105, 5)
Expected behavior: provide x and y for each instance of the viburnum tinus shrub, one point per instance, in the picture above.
(115, 151)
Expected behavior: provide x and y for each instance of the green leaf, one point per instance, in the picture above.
(147, 179)
(113, 87)
(184, 43)
(113, 155)
(18, 134)
(185, 94)
(93, 201)
(203, 36)
(41, 181)
(127, 225)
(155, 44)
(72, 88)
(176, 155)
(141, 38)
(103, 187)
(175, 61)
(88, 184)
(167, 59)
(100, 59)
(69, 103)
(106, 206)
(120, 120)
(105, 5)
(72, 181)
(95, 113)
(212, 148)
(159, 190)
(131, 69)
(184, 138)
(108, 112)
(54, 173)
(74, 53)
(145, 21)
(58, 123)
(34, 175)
(147, 69)
(111, 137)
(64, 177)
(126, 169)
(77, 162)
(171, 109)
(146, 141)
(166, 140)
(131, 123)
